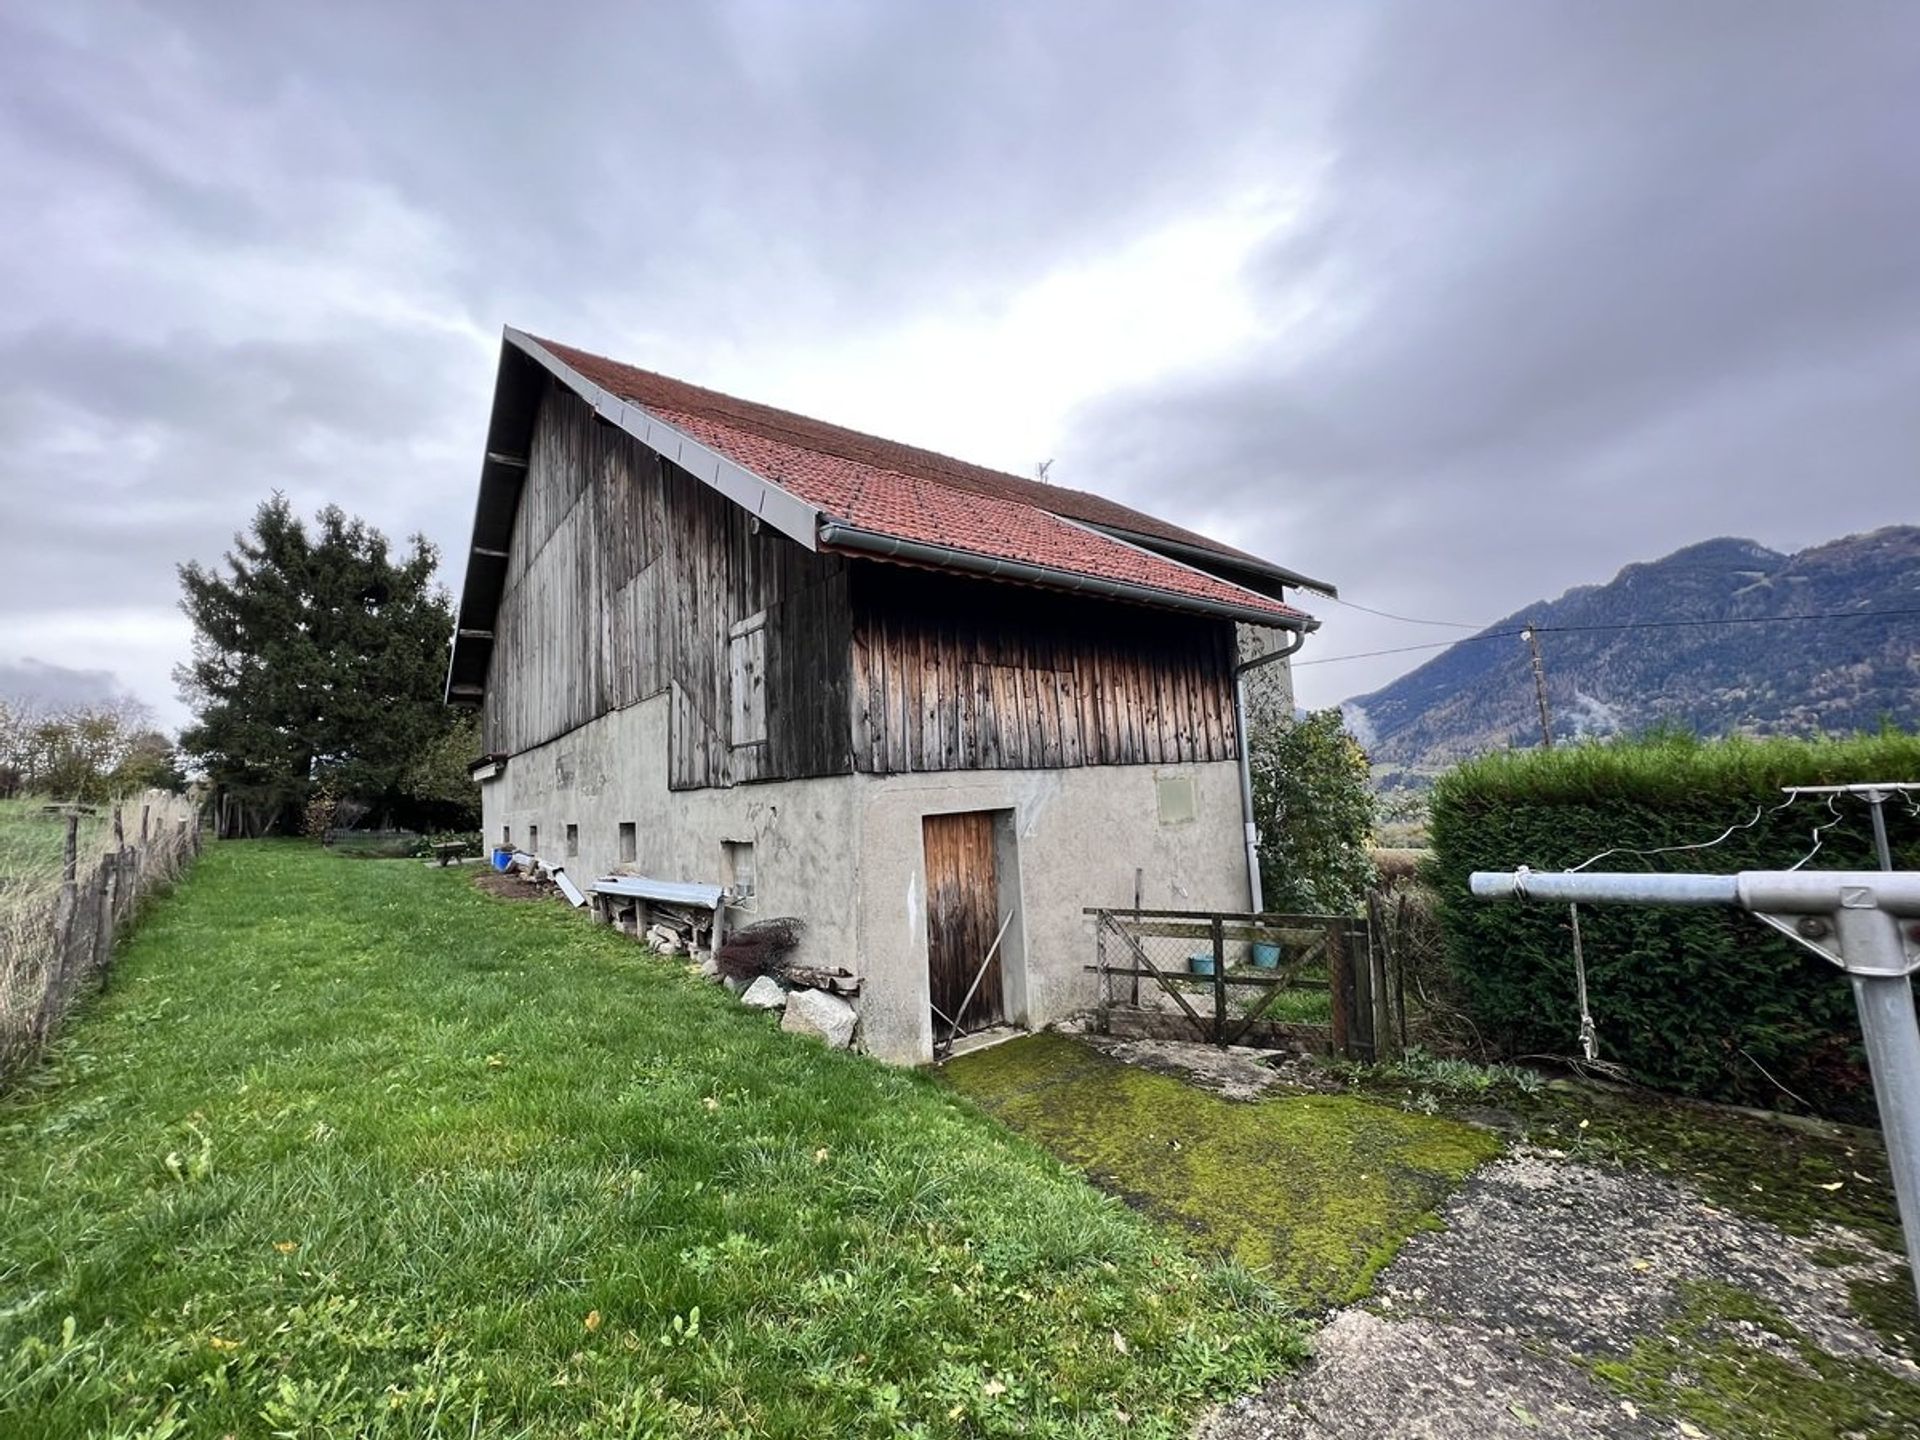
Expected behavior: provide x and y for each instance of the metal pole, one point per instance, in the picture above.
(1244, 746)
(1875, 803)
(1883, 995)
(1859, 920)
(1892, 1038)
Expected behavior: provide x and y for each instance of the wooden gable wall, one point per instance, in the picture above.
(627, 578)
(959, 674)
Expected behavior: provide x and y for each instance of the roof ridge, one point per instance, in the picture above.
(806, 433)
(812, 420)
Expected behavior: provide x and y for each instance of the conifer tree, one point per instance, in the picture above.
(318, 661)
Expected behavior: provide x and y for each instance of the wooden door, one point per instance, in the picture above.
(963, 915)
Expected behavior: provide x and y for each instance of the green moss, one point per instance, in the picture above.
(1887, 1304)
(1837, 1257)
(1320, 1189)
(1702, 1369)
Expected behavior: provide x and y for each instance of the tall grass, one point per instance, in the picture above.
(33, 837)
(49, 931)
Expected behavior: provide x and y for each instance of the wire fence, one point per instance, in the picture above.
(58, 920)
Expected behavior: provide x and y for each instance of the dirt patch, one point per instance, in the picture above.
(512, 886)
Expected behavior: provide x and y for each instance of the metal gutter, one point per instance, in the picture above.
(780, 508)
(1202, 557)
(837, 535)
(1250, 828)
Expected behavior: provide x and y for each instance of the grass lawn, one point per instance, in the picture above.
(352, 1149)
(1318, 1191)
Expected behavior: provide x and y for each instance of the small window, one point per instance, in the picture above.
(573, 841)
(533, 839)
(506, 836)
(739, 857)
(629, 842)
(1176, 799)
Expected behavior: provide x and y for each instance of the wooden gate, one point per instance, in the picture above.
(963, 911)
(1240, 979)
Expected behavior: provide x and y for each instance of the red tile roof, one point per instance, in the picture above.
(913, 494)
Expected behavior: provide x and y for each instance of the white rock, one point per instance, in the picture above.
(814, 1012)
(765, 994)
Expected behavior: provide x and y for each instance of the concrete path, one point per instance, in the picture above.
(1487, 1329)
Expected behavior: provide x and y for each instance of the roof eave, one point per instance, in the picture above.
(854, 539)
(1212, 561)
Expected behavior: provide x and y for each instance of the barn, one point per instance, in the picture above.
(914, 702)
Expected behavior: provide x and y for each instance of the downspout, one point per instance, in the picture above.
(1252, 830)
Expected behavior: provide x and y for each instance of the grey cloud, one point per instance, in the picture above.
(192, 433)
(1575, 284)
(1593, 279)
(54, 687)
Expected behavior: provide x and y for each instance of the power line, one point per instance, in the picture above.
(1822, 615)
(1405, 619)
(1407, 649)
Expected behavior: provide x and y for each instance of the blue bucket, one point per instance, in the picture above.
(502, 858)
(1200, 962)
(1266, 955)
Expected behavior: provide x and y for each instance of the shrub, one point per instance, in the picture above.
(1315, 811)
(1706, 1002)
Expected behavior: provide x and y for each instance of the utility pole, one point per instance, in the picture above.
(1532, 637)
(1864, 922)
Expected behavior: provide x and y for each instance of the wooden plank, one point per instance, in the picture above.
(860, 711)
(1129, 1024)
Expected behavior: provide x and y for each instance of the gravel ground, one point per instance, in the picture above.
(1476, 1331)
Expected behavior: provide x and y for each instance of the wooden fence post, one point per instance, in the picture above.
(105, 883)
(1139, 880)
(1360, 965)
(1104, 1012)
(1380, 964)
(1340, 986)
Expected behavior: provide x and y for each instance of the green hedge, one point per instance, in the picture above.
(1695, 1001)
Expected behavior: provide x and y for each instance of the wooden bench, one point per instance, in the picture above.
(448, 851)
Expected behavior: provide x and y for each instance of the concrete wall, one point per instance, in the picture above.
(614, 769)
(845, 853)
(1270, 688)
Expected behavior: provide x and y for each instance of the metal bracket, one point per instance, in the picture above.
(1820, 935)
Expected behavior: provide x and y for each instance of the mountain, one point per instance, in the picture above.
(1790, 678)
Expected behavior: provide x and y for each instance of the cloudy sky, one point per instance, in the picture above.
(1454, 304)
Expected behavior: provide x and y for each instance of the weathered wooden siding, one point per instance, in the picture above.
(628, 578)
(956, 674)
